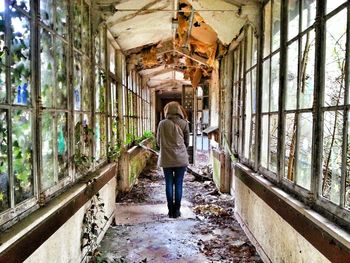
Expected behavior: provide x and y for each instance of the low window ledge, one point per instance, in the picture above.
(330, 239)
(22, 239)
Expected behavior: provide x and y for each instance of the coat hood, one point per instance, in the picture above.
(173, 108)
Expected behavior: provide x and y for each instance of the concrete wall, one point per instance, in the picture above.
(132, 163)
(64, 245)
(272, 235)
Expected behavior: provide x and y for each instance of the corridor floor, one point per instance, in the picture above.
(206, 232)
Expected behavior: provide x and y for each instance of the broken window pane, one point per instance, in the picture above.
(275, 78)
(22, 155)
(335, 59)
(20, 58)
(4, 173)
(290, 146)
(47, 66)
(47, 150)
(307, 70)
(276, 25)
(293, 18)
(332, 155)
(249, 48)
(304, 150)
(273, 130)
(292, 76)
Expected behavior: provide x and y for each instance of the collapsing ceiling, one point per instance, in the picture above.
(176, 42)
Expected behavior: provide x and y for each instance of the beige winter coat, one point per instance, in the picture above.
(173, 137)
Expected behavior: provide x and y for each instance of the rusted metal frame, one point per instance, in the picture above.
(317, 132)
(35, 48)
(282, 89)
(26, 245)
(346, 115)
(259, 81)
(335, 11)
(8, 98)
(324, 242)
(70, 101)
(301, 33)
(108, 103)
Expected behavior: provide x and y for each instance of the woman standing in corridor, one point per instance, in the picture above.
(173, 139)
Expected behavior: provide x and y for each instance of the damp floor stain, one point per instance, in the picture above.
(206, 231)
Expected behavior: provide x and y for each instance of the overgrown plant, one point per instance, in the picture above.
(94, 218)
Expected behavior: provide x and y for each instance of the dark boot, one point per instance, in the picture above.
(177, 212)
(171, 210)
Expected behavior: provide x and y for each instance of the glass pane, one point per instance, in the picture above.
(97, 53)
(303, 173)
(103, 48)
(275, 78)
(111, 59)
(248, 115)
(255, 50)
(22, 155)
(97, 137)
(292, 76)
(24, 4)
(47, 151)
(61, 17)
(335, 59)
(249, 48)
(62, 146)
(276, 24)
(252, 140)
(273, 143)
(103, 136)
(293, 18)
(254, 90)
(47, 65)
(332, 155)
(333, 4)
(347, 187)
(267, 29)
(265, 140)
(86, 90)
(77, 17)
(46, 12)
(77, 82)
(86, 28)
(308, 13)
(87, 135)
(61, 74)
(290, 142)
(3, 92)
(4, 176)
(20, 58)
(266, 86)
(307, 70)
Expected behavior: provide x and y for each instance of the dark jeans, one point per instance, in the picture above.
(174, 178)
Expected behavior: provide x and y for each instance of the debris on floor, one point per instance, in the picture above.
(212, 234)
